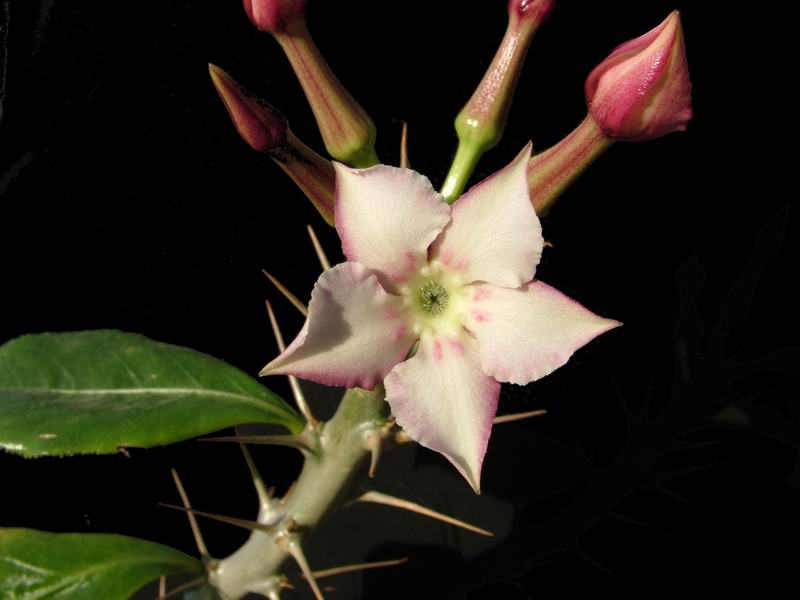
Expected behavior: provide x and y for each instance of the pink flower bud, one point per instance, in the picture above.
(272, 15)
(534, 10)
(261, 126)
(642, 90)
(266, 130)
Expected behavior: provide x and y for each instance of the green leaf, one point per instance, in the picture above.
(94, 392)
(37, 564)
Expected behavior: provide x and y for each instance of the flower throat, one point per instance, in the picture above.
(433, 298)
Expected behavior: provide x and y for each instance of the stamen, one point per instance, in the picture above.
(433, 298)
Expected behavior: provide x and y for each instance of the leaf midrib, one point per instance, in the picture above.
(68, 579)
(142, 391)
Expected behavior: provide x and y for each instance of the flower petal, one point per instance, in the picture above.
(443, 400)
(527, 333)
(355, 332)
(387, 217)
(494, 235)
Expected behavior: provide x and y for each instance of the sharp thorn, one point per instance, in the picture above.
(288, 493)
(261, 490)
(401, 437)
(297, 392)
(287, 294)
(276, 331)
(404, 162)
(518, 416)
(198, 537)
(358, 567)
(244, 524)
(291, 525)
(323, 260)
(374, 458)
(293, 548)
(548, 244)
(380, 498)
(292, 441)
(373, 443)
(162, 587)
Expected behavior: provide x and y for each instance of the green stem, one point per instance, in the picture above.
(363, 158)
(467, 157)
(323, 484)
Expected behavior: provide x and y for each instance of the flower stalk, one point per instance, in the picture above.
(346, 128)
(312, 173)
(482, 121)
(552, 171)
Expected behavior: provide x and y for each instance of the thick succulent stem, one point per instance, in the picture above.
(326, 478)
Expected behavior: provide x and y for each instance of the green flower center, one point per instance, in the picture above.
(433, 298)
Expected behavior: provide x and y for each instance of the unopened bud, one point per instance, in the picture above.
(642, 90)
(273, 15)
(533, 12)
(260, 125)
(266, 130)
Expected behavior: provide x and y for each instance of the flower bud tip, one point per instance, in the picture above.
(271, 16)
(642, 89)
(537, 10)
(260, 125)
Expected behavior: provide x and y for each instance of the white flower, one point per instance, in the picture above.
(458, 280)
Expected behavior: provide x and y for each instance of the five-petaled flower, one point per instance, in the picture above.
(458, 280)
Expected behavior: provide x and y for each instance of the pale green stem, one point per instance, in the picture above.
(324, 483)
(467, 157)
(482, 121)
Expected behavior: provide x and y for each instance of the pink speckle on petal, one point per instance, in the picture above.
(456, 347)
(407, 267)
(437, 351)
(391, 313)
(409, 261)
(480, 316)
(482, 294)
(399, 333)
(446, 257)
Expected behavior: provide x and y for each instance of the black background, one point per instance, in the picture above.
(669, 455)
